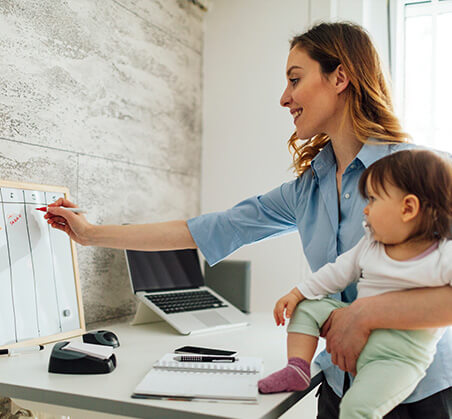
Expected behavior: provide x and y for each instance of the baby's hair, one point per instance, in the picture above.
(422, 173)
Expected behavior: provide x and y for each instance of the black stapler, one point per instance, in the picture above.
(71, 362)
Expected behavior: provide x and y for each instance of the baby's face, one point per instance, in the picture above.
(384, 214)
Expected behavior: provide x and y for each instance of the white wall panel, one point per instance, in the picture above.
(41, 254)
(24, 290)
(8, 323)
(64, 275)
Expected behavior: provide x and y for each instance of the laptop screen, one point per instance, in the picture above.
(164, 270)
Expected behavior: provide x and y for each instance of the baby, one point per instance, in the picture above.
(407, 245)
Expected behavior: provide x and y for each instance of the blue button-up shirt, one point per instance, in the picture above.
(310, 205)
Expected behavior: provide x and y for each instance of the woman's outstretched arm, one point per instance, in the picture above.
(157, 236)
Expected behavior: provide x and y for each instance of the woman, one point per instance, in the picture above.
(340, 103)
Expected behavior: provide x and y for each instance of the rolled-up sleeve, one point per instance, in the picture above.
(219, 234)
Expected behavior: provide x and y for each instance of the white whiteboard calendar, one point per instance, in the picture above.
(40, 298)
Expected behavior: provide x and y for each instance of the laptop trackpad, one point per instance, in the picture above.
(211, 319)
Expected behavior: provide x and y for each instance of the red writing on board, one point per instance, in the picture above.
(14, 218)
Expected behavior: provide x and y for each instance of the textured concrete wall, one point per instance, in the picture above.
(104, 97)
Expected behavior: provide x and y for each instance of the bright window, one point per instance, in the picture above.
(423, 67)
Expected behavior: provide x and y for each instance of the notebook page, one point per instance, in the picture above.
(244, 364)
(200, 385)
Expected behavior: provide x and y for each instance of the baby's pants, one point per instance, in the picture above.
(390, 366)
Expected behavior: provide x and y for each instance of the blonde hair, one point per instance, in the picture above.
(368, 99)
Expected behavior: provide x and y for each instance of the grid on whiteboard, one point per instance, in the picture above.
(39, 293)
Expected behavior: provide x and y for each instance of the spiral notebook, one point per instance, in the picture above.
(235, 381)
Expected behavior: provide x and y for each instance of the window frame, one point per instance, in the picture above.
(399, 11)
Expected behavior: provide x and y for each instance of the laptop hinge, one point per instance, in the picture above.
(168, 289)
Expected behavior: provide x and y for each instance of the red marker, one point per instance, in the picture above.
(76, 210)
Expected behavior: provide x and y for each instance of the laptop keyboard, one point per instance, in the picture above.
(185, 301)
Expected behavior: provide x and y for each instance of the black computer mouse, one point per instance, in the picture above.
(101, 337)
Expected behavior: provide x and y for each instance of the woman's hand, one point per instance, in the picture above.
(75, 225)
(287, 304)
(346, 335)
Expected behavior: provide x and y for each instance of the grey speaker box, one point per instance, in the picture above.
(231, 279)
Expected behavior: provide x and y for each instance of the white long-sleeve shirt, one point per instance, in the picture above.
(376, 273)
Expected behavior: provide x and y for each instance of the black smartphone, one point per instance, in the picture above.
(203, 351)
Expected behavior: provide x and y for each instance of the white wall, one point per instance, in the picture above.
(245, 130)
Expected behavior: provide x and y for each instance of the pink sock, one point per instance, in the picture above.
(296, 376)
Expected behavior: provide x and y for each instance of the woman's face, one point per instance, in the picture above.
(311, 96)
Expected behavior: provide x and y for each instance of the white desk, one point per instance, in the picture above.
(26, 377)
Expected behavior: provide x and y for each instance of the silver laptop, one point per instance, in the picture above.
(171, 284)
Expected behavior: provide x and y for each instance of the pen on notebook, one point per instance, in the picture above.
(205, 358)
(24, 350)
(76, 210)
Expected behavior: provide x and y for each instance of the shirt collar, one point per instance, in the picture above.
(323, 161)
(370, 152)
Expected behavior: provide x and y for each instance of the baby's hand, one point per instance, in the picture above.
(287, 304)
